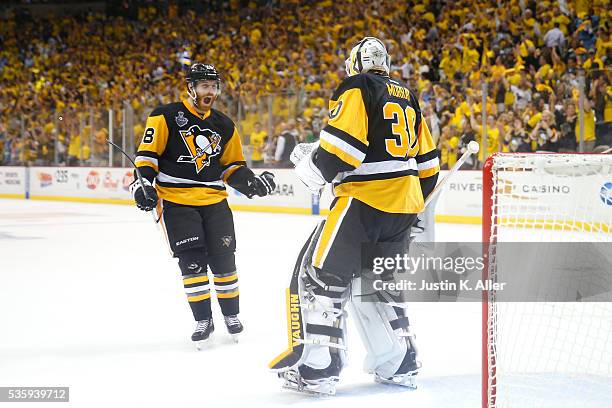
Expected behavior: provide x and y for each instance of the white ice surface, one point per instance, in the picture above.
(90, 299)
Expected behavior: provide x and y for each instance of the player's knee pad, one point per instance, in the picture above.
(192, 261)
(315, 302)
(385, 331)
(194, 268)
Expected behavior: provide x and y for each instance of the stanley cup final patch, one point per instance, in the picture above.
(181, 120)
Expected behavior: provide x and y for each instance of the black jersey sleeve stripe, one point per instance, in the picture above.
(146, 172)
(147, 153)
(345, 137)
(428, 184)
(379, 176)
(427, 156)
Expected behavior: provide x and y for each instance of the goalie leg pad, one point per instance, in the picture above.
(316, 327)
(385, 331)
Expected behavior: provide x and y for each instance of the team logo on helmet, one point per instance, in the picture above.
(202, 145)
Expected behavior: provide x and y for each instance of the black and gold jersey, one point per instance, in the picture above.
(376, 146)
(190, 156)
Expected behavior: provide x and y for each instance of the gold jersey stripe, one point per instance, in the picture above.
(198, 298)
(429, 172)
(229, 172)
(142, 163)
(341, 154)
(225, 278)
(331, 225)
(426, 142)
(232, 151)
(228, 295)
(191, 196)
(198, 279)
(395, 195)
(350, 115)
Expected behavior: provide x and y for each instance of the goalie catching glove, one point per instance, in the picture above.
(305, 169)
(145, 195)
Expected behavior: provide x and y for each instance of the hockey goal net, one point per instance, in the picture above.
(548, 354)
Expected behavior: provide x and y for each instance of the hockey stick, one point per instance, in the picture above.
(137, 171)
(472, 148)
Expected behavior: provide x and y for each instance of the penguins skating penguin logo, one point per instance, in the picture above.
(202, 145)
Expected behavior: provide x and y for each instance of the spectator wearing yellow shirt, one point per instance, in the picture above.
(77, 151)
(447, 145)
(470, 57)
(257, 143)
(589, 127)
(493, 134)
(450, 63)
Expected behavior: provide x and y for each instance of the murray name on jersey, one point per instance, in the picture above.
(377, 144)
(190, 156)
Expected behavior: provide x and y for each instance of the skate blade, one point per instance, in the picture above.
(293, 382)
(235, 338)
(200, 345)
(320, 391)
(408, 381)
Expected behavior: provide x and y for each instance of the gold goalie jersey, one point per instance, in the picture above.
(189, 156)
(376, 146)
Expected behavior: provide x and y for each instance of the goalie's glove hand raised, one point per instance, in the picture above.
(145, 202)
(261, 185)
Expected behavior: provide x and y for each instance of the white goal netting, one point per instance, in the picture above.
(549, 353)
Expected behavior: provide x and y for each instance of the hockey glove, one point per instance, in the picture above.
(261, 185)
(302, 150)
(145, 203)
(309, 174)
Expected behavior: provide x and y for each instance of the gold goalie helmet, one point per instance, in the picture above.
(370, 54)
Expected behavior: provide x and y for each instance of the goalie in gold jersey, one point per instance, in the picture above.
(380, 158)
(190, 151)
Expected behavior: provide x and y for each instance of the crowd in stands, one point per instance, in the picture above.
(280, 62)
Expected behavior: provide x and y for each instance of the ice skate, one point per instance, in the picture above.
(407, 379)
(295, 382)
(202, 332)
(234, 327)
(404, 380)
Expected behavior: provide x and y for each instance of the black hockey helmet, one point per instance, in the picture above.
(202, 72)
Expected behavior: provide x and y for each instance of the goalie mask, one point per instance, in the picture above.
(370, 54)
(198, 73)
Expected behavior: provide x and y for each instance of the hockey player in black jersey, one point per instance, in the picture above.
(379, 155)
(189, 151)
